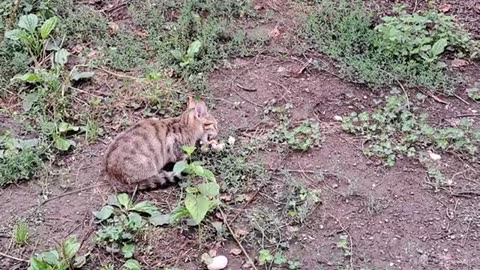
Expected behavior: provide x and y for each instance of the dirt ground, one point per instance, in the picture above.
(392, 217)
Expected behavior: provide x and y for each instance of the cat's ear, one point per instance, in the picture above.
(201, 110)
(191, 103)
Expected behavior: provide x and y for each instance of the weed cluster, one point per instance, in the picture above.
(19, 159)
(396, 130)
(404, 47)
(121, 221)
(66, 257)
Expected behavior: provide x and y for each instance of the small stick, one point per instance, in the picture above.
(437, 99)
(300, 71)
(246, 88)
(117, 75)
(224, 217)
(466, 115)
(349, 238)
(12, 257)
(461, 99)
(72, 192)
(245, 206)
(404, 92)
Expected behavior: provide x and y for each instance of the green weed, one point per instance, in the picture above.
(266, 258)
(64, 258)
(19, 159)
(300, 202)
(20, 233)
(302, 137)
(121, 221)
(474, 92)
(396, 130)
(404, 47)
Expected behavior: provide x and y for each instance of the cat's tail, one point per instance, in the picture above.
(162, 180)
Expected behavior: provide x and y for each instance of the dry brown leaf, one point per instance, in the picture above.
(275, 33)
(445, 7)
(226, 197)
(458, 63)
(235, 251)
(241, 232)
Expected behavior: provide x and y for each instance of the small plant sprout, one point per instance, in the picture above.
(20, 233)
(64, 258)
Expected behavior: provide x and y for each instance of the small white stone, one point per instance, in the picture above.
(218, 263)
(338, 118)
(231, 140)
(434, 156)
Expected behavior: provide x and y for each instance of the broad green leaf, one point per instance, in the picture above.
(279, 258)
(15, 34)
(194, 48)
(30, 143)
(70, 247)
(198, 170)
(145, 207)
(65, 127)
(51, 257)
(177, 54)
(178, 213)
(112, 200)
(104, 213)
(62, 143)
(29, 77)
(38, 264)
(81, 75)
(264, 256)
(209, 189)
(128, 250)
(179, 167)
(208, 174)
(134, 220)
(28, 22)
(197, 206)
(29, 100)
(124, 200)
(159, 219)
(61, 57)
(189, 149)
(48, 27)
(439, 47)
(132, 264)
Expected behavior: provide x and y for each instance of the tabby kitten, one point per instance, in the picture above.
(137, 157)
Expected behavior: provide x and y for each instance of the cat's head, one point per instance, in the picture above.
(200, 120)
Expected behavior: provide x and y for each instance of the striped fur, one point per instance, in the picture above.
(136, 157)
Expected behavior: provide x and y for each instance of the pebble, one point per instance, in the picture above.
(218, 263)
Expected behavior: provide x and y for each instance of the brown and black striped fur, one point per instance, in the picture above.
(136, 157)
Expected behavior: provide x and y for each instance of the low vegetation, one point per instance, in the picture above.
(404, 47)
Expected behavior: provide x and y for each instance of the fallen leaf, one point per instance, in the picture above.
(235, 251)
(445, 7)
(241, 232)
(258, 7)
(434, 156)
(226, 197)
(113, 27)
(212, 252)
(338, 118)
(458, 63)
(275, 33)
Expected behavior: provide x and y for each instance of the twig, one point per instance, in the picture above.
(437, 99)
(466, 115)
(116, 74)
(224, 217)
(246, 88)
(72, 192)
(245, 206)
(300, 71)
(349, 238)
(461, 99)
(12, 257)
(246, 99)
(404, 92)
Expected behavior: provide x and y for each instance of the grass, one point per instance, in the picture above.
(396, 130)
(405, 47)
(21, 233)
